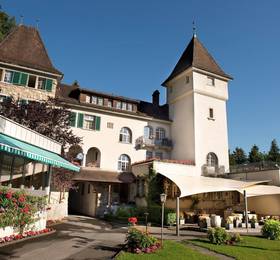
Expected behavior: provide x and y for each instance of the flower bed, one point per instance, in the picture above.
(20, 212)
(27, 234)
(141, 242)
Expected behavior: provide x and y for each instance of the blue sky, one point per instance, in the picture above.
(129, 47)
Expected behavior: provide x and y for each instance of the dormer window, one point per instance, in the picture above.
(123, 106)
(94, 100)
(109, 103)
(119, 105)
(100, 101)
(210, 81)
(129, 107)
(87, 99)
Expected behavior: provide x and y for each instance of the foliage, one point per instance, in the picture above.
(217, 235)
(238, 156)
(139, 241)
(171, 250)
(274, 152)
(255, 155)
(62, 180)
(195, 201)
(235, 237)
(155, 213)
(7, 23)
(271, 229)
(250, 247)
(18, 208)
(155, 187)
(171, 218)
(49, 118)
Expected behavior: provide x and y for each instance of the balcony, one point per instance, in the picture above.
(213, 171)
(152, 143)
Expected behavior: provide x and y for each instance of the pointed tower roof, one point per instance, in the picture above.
(23, 46)
(196, 55)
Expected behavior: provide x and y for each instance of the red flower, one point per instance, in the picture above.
(21, 199)
(9, 195)
(132, 220)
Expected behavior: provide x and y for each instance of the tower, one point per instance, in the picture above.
(197, 92)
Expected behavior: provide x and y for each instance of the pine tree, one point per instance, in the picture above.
(239, 156)
(255, 155)
(274, 152)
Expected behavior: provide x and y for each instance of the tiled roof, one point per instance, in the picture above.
(23, 46)
(196, 55)
(70, 94)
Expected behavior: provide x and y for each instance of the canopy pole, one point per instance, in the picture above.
(12, 171)
(23, 174)
(177, 216)
(48, 182)
(1, 165)
(246, 210)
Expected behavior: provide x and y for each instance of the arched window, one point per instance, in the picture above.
(125, 135)
(148, 132)
(93, 157)
(212, 159)
(160, 133)
(124, 163)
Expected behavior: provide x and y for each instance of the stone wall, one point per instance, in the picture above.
(25, 92)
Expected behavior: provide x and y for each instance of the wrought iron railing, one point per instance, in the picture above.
(254, 167)
(143, 142)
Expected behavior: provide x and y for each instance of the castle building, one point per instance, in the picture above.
(124, 138)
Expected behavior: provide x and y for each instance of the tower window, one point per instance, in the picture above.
(187, 80)
(210, 81)
(211, 113)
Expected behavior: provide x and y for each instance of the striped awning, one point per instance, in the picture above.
(19, 148)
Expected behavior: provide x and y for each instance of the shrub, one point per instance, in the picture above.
(171, 218)
(138, 241)
(155, 213)
(271, 229)
(236, 238)
(217, 235)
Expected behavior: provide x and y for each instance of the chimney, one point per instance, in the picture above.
(156, 98)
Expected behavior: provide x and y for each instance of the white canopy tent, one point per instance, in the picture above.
(262, 190)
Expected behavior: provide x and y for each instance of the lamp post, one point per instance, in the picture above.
(146, 220)
(162, 200)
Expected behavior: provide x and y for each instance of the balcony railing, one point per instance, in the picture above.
(213, 171)
(143, 143)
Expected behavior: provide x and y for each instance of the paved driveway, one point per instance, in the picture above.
(79, 238)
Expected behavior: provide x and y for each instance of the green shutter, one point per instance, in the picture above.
(97, 123)
(73, 116)
(23, 79)
(80, 120)
(16, 77)
(48, 86)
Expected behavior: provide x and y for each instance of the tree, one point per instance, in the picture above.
(49, 118)
(231, 158)
(239, 156)
(255, 155)
(274, 152)
(7, 23)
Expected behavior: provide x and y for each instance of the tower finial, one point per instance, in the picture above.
(37, 23)
(21, 20)
(194, 28)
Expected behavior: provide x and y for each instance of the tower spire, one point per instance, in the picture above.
(194, 28)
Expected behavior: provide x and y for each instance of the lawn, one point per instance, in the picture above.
(249, 248)
(171, 250)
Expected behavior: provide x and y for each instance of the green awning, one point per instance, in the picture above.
(20, 148)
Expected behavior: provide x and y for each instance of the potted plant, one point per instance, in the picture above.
(229, 224)
(254, 223)
(237, 222)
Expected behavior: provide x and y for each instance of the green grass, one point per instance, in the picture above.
(171, 250)
(256, 248)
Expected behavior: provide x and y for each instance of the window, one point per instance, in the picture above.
(124, 106)
(89, 122)
(87, 99)
(41, 83)
(211, 113)
(110, 125)
(119, 105)
(160, 133)
(124, 163)
(210, 81)
(149, 155)
(100, 101)
(187, 79)
(31, 81)
(8, 76)
(45, 84)
(129, 107)
(125, 135)
(159, 155)
(212, 159)
(94, 100)
(148, 132)
(109, 103)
